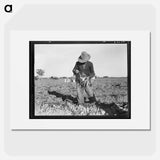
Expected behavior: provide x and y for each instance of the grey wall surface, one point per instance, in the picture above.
(76, 143)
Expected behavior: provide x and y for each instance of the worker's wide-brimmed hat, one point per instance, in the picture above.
(84, 57)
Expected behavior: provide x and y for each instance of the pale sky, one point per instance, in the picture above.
(59, 59)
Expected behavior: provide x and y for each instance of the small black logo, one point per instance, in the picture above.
(8, 8)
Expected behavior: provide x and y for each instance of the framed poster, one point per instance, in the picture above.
(57, 92)
(80, 80)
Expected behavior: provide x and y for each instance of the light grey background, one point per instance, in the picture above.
(76, 143)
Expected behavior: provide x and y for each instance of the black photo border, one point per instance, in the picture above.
(32, 86)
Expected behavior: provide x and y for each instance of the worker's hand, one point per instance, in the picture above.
(88, 78)
(77, 71)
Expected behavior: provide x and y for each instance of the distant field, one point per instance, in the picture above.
(55, 97)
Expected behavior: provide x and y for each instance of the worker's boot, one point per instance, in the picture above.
(92, 99)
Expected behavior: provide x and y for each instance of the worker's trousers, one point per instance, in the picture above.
(87, 90)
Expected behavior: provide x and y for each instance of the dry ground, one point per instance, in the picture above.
(54, 97)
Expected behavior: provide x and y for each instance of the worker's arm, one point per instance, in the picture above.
(75, 69)
(92, 73)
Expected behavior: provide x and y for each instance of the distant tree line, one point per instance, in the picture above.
(54, 77)
(41, 72)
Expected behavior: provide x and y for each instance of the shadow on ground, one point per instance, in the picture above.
(63, 96)
(112, 110)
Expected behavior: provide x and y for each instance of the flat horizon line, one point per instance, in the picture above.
(96, 76)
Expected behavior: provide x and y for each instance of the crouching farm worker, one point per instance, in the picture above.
(84, 73)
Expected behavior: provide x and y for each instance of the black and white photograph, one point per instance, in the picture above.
(80, 79)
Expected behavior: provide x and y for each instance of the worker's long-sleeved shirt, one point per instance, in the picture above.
(85, 68)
